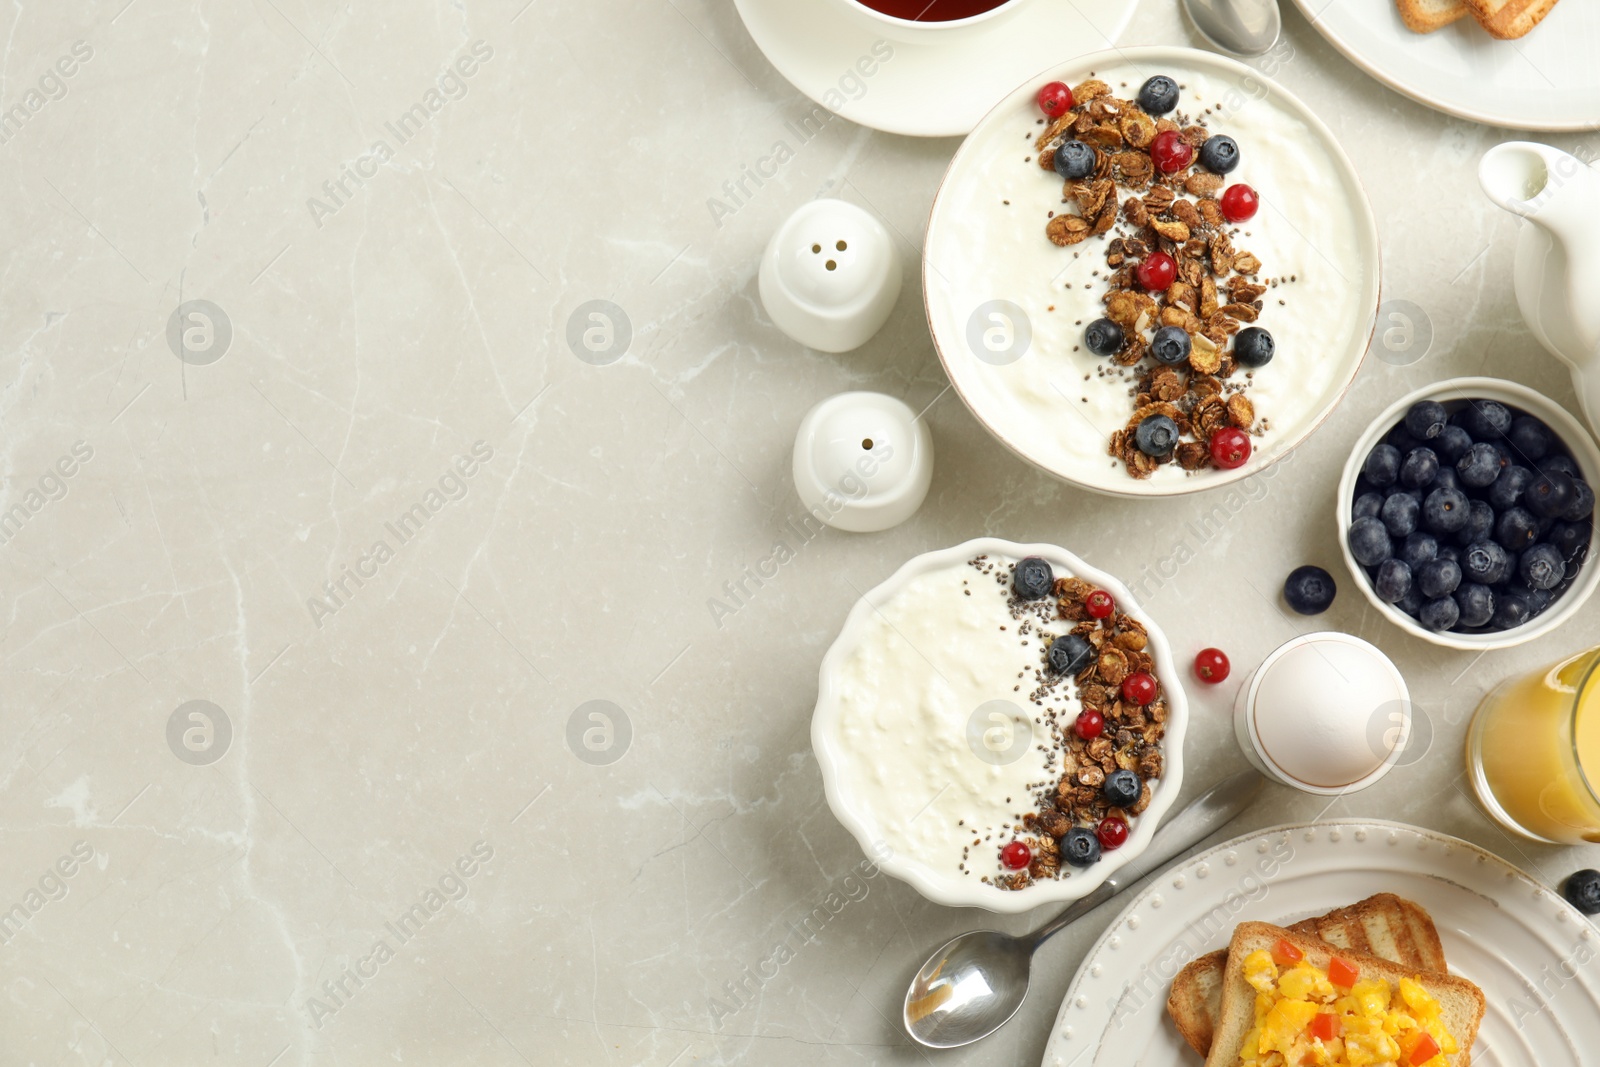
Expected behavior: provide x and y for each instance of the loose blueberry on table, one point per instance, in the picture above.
(1583, 891)
(1310, 590)
(1505, 521)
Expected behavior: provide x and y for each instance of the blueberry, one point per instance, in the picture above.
(1475, 602)
(1382, 466)
(1451, 443)
(1438, 577)
(1122, 789)
(1485, 420)
(1583, 890)
(1411, 603)
(1367, 506)
(1080, 847)
(1528, 439)
(1419, 467)
(1392, 582)
(1449, 552)
(1507, 489)
(1159, 95)
(1426, 419)
(1369, 542)
(1515, 529)
(1485, 562)
(1170, 345)
(1419, 548)
(1103, 337)
(1070, 654)
(1445, 510)
(1441, 613)
(1542, 567)
(1561, 463)
(1510, 610)
(1447, 478)
(1254, 347)
(1582, 505)
(1403, 439)
(1399, 514)
(1479, 465)
(1156, 436)
(1479, 524)
(1571, 539)
(1074, 160)
(1548, 495)
(1032, 578)
(1310, 590)
(1219, 154)
(1538, 599)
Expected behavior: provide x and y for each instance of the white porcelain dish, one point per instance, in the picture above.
(986, 255)
(938, 85)
(1524, 945)
(1547, 80)
(1568, 429)
(847, 795)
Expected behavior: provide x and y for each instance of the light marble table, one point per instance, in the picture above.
(376, 842)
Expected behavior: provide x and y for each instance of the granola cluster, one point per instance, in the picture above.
(1218, 286)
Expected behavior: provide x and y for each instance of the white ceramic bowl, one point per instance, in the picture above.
(969, 220)
(1564, 426)
(947, 886)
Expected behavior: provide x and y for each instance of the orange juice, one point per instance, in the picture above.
(1533, 753)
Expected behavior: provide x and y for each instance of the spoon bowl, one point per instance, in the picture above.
(969, 988)
(1240, 27)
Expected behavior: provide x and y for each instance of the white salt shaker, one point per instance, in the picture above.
(862, 461)
(1326, 713)
(830, 275)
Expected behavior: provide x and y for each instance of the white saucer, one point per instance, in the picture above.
(938, 89)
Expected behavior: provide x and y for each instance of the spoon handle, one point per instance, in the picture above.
(1205, 815)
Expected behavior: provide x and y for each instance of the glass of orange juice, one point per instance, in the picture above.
(1533, 752)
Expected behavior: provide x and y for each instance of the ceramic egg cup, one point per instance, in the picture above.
(1567, 429)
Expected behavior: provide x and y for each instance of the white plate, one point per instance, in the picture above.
(1548, 80)
(936, 89)
(1528, 949)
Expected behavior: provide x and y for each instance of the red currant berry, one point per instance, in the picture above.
(1157, 271)
(1239, 203)
(1170, 153)
(1112, 832)
(1139, 688)
(1055, 99)
(1230, 448)
(1211, 665)
(1016, 855)
(1090, 724)
(1099, 604)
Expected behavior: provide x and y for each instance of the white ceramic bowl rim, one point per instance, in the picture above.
(1284, 776)
(1572, 434)
(951, 887)
(1361, 206)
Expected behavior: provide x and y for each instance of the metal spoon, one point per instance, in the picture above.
(974, 984)
(1243, 27)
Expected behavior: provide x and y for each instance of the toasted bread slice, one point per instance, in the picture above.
(1509, 19)
(1425, 16)
(1461, 1003)
(1383, 925)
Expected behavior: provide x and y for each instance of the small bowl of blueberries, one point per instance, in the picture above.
(1466, 513)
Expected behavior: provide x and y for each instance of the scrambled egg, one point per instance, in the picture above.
(1373, 1024)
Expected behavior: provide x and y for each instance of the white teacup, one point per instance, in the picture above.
(909, 30)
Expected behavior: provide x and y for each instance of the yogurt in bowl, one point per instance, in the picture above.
(1008, 307)
(950, 738)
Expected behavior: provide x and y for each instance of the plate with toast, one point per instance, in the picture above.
(1333, 942)
(1526, 64)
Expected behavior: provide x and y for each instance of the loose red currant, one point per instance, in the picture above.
(1112, 832)
(1016, 855)
(1139, 688)
(1055, 99)
(1239, 203)
(1090, 725)
(1230, 448)
(1211, 665)
(1170, 152)
(1099, 604)
(1157, 271)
